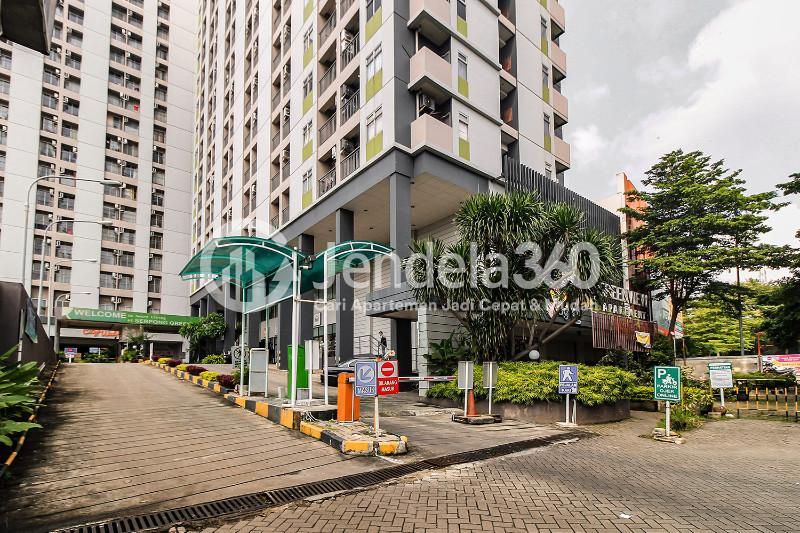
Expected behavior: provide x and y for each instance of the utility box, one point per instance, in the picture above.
(302, 374)
(258, 371)
(347, 403)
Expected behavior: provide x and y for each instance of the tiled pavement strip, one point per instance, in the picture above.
(735, 475)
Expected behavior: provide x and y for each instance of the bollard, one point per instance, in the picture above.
(347, 403)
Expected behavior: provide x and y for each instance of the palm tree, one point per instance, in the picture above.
(534, 261)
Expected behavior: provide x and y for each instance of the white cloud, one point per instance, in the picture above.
(593, 93)
(587, 144)
(662, 69)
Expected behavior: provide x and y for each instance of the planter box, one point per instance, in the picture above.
(652, 406)
(546, 412)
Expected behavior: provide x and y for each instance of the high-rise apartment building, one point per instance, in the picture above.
(113, 100)
(320, 121)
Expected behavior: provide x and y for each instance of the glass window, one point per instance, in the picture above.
(463, 127)
(461, 9)
(462, 66)
(372, 7)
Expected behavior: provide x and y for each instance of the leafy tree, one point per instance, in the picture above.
(782, 316)
(470, 271)
(135, 340)
(792, 186)
(444, 356)
(698, 222)
(207, 328)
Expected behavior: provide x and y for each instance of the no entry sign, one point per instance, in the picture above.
(388, 381)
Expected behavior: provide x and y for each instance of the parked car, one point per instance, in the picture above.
(334, 371)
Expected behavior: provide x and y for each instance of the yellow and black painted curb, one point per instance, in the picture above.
(32, 418)
(293, 419)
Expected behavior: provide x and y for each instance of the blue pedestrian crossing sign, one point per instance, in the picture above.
(568, 379)
(366, 385)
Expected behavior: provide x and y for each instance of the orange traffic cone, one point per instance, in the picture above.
(471, 404)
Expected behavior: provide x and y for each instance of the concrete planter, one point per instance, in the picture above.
(646, 405)
(546, 412)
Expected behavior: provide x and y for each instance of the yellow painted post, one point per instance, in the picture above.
(737, 399)
(748, 397)
(795, 402)
(786, 401)
(758, 408)
(776, 400)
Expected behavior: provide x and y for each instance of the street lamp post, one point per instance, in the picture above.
(27, 209)
(51, 280)
(57, 336)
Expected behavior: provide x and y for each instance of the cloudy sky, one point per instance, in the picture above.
(649, 76)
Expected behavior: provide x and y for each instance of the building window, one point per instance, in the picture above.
(545, 76)
(374, 134)
(155, 262)
(308, 85)
(374, 72)
(461, 9)
(463, 136)
(463, 83)
(153, 284)
(372, 7)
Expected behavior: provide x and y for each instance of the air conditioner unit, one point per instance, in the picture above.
(124, 31)
(69, 30)
(157, 85)
(287, 113)
(124, 141)
(58, 71)
(60, 195)
(58, 243)
(67, 53)
(116, 275)
(75, 149)
(4, 128)
(66, 76)
(426, 103)
(55, 118)
(61, 170)
(53, 142)
(117, 206)
(149, 303)
(255, 116)
(52, 166)
(347, 146)
(285, 154)
(118, 230)
(66, 99)
(149, 278)
(117, 252)
(120, 161)
(347, 92)
(116, 299)
(153, 212)
(151, 255)
(124, 120)
(56, 268)
(333, 153)
(286, 70)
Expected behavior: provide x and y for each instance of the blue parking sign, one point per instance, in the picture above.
(568, 379)
(366, 385)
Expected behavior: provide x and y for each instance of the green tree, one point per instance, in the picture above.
(782, 314)
(698, 223)
(470, 271)
(199, 331)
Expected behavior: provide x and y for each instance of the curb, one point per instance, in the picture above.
(292, 419)
(32, 418)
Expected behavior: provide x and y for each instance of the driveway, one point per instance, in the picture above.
(125, 438)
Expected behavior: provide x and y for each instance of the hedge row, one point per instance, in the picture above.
(526, 383)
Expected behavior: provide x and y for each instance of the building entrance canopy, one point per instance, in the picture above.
(270, 272)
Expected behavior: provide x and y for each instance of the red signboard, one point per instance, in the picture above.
(388, 381)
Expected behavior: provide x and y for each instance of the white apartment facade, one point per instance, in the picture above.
(320, 121)
(114, 100)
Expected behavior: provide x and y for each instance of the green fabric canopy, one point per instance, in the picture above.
(253, 263)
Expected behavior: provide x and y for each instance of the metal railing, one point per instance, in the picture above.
(344, 5)
(326, 182)
(349, 52)
(350, 107)
(276, 139)
(327, 28)
(327, 129)
(327, 78)
(274, 181)
(285, 170)
(284, 215)
(351, 163)
(771, 401)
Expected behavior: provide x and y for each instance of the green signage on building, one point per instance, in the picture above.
(125, 317)
(667, 383)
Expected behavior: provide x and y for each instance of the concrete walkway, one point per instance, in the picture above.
(126, 438)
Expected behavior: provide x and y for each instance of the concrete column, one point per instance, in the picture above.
(400, 235)
(344, 293)
(305, 243)
(284, 332)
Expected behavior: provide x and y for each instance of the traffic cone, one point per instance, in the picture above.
(471, 404)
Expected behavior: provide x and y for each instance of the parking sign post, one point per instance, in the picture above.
(568, 385)
(667, 387)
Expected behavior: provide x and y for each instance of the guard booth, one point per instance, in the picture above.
(269, 273)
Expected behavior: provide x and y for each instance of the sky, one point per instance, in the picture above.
(645, 77)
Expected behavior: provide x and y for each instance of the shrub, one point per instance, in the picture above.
(640, 392)
(173, 362)
(527, 383)
(236, 374)
(209, 375)
(226, 380)
(18, 397)
(218, 359)
(93, 358)
(163, 360)
(128, 356)
(195, 370)
(683, 417)
(698, 399)
(182, 367)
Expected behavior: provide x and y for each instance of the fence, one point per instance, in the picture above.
(775, 401)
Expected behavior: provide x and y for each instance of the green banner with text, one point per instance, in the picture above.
(125, 317)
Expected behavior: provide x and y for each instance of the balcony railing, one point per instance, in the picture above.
(344, 5)
(350, 51)
(350, 107)
(351, 163)
(285, 170)
(274, 223)
(284, 215)
(326, 182)
(327, 129)
(276, 139)
(274, 181)
(276, 97)
(327, 28)
(327, 78)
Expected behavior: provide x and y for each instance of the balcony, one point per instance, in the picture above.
(557, 16)
(351, 163)
(327, 129)
(327, 78)
(285, 215)
(430, 131)
(274, 182)
(559, 59)
(327, 28)
(430, 72)
(431, 17)
(350, 107)
(326, 182)
(349, 52)
(561, 152)
(560, 106)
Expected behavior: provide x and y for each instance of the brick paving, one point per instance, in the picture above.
(734, 475)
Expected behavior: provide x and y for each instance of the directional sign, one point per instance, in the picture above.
(388, 381)
(667, 383)
(366, 379)
(568, 379)
(721, 375)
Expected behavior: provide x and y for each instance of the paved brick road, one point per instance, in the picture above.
(737, 475)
